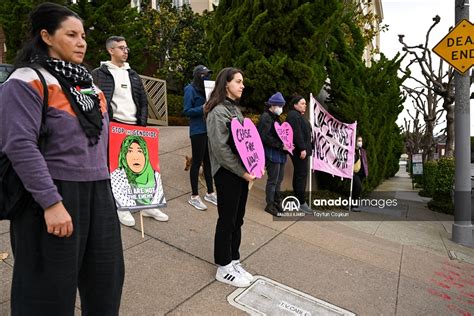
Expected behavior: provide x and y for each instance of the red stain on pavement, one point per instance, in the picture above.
(440, 294)
(459, 310)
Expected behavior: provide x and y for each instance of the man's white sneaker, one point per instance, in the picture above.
(211, 198)
(197, 203)
(156, 214)
(238, 267)
(227, 274)
(126, 218)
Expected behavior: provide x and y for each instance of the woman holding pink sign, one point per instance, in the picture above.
(275, 155)
(230, 177)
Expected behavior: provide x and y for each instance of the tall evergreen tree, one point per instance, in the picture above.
(280, 45)
(14, 21)
(369, 95)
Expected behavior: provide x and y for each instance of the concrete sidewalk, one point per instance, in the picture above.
(399, 261)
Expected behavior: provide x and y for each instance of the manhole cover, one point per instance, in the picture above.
(268, 297)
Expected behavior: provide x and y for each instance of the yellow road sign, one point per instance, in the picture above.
(457, 48)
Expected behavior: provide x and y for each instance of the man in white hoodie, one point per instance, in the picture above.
(126, 101)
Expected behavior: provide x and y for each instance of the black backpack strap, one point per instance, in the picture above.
(43, 129)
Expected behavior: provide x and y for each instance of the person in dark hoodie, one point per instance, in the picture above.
(302, 151)
(275, 155)
(194, 100)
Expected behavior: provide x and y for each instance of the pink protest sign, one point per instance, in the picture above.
(334, 143)
(285, 132)
(249, 145)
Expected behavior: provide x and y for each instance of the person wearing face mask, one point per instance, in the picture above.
(194, 99)
(275, 152)
(361, 171)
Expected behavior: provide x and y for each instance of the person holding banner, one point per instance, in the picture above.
(68, 235)
(230, 176)
(126, 102)
(302, 151)
(194, 99)
(361, 171)
(275, 155)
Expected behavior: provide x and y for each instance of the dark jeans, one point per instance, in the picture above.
(232, 192)
(200, 154)
(300, 173)
(48, 269)
(275, 173)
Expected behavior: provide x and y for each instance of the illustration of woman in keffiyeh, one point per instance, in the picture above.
(134, 182)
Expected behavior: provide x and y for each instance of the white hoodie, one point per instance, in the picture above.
(123, 107)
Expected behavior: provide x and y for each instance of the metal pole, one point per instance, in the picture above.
(462, 227)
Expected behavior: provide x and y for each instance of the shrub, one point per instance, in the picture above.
(175, 105)
(430, 174)
(443, 186)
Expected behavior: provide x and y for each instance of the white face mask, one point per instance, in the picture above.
(278, 110)
(359, 144)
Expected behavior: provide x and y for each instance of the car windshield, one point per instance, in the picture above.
(4, 72)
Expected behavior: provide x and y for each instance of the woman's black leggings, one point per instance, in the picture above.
(200, 152)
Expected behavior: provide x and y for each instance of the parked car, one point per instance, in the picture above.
(5, 70)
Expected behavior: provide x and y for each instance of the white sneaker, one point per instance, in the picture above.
(126, 218)
(156, 214)
(227, 274)
(197, 203)
(238, 267)
(211, 198)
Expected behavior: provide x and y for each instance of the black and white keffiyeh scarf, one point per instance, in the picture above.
(76, 83)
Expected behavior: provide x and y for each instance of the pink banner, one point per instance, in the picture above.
(334, 143)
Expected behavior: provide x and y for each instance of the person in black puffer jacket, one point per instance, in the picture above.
(126, 102)
(123, 88)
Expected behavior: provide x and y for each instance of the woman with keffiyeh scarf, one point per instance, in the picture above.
(68, 237)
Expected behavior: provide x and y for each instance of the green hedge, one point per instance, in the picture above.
(430, 174)
(175, 105)
(439, 179)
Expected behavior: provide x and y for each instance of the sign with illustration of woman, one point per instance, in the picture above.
(134, 166)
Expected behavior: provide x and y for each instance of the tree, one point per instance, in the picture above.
(280, 45)
(439, 81)
(14, 20)
(369, 95)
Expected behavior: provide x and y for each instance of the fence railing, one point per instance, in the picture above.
(157, 100)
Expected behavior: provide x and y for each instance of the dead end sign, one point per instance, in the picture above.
(457, 47)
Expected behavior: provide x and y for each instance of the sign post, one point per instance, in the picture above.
(457, 48)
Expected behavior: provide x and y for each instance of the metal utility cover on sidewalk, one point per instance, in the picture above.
(268, 297)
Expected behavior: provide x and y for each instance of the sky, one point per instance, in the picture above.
(413, 19)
